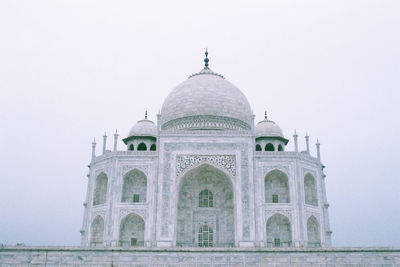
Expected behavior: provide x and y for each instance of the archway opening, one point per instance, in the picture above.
(310, 190)
(258, 147)
(142, 147)
(269, 147)
(313, 232)
(280, 148)
(276, 187)
(97, 232)
(153, 147)
(131, 233)
(134, 187)
(100, 189)
(130, 148)
(279, 231)
(205, 199)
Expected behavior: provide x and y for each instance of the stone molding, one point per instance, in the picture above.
(184, 163)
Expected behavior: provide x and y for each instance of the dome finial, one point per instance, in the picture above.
(266, 117)
(145, 114)
(206, 59)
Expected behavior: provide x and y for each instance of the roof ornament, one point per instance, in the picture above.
(266, 117)
(145, 115)
(206, 60)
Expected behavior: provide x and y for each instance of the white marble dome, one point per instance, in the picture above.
(267, 128)
(204, 101)
(143, 128)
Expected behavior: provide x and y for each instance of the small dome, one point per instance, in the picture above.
(206, 101)
(143, 128)
(267, 128)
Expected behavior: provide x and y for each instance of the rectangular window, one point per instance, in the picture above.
(277, 242)
(133, 242)
(274, 198)
(135, 198)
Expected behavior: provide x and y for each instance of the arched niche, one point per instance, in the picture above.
(279, 231)
(131, 148)
(313, 233)
(100, 189)
(310, 190)
(280, 147)
(219, 216)
(134, 187)
(153, 147)
(131, 231)
(258, 147)
(276, 187)
(97, 231)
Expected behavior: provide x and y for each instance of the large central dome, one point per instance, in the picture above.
(206, 101)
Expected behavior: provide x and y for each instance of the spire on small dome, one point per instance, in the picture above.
(145, 115)
(266, 117)
(206, 60)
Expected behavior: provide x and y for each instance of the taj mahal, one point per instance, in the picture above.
(206, 175)
(206, 185)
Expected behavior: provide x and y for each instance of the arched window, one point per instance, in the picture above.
(280, 148)
(276, 187)
(97, 231)
(205, 237)
(310, 190)
(278, 231)
(131, 232)
(100, 189)
(313, 232)
(153, 147)
(258, 147)
(130, 147)
(269, 147)
(206, 199)
(142, 147)
(134, 187)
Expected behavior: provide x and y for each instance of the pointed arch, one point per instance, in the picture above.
(313, 233)
(131, 231)
(269, 147)
(276, 187)
(279, 231)
(142, 147)
(100, 189)
(97, 231)
(134, 188)
(310, 190)
(219, 217)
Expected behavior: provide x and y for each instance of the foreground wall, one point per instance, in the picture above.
(77, 256)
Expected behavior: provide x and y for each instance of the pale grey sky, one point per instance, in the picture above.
(70, 70)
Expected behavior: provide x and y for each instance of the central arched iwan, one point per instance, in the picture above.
(193, 214)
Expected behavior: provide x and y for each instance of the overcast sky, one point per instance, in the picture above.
(71, 70)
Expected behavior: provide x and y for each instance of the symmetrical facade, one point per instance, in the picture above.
(206, 176)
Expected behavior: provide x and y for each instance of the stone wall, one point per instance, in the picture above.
(78, 256)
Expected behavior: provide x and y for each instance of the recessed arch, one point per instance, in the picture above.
(134, 188)
(310, 190)
(142, 147)
(131, 231)
(313, 233)
(97, 231)
(153, 147)
(258, 147)
(130, 148)
(100, 189)
(269, 147)
(276, 187)
(280, 147)
(220, 216)
(279, 231)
